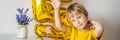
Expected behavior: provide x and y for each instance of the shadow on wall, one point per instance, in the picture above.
(107, 12)
(111, 27)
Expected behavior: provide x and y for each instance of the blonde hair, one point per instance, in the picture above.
(77, 8)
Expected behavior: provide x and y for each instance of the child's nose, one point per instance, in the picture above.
(78, 22)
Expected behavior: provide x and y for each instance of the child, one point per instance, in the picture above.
(84, 29)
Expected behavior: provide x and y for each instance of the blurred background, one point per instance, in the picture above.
(105, 11)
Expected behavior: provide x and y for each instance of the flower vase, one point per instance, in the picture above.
(22, 31)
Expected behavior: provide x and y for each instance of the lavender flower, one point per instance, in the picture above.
(22, 17)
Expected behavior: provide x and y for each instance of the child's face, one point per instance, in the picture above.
(79, 20)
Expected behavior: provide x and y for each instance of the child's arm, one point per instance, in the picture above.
(56, 5)
(98, 28)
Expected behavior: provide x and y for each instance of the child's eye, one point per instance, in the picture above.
(79, 17)
(73, 20)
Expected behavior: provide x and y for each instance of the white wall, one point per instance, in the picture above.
(105, 11)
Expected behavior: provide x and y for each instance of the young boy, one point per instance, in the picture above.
(84, 29)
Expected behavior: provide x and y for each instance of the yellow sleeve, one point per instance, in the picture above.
(94, 37)
(72, 34)
(68, 33)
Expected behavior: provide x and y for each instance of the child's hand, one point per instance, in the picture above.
(98, 28)
(94, 24)
(55, 3)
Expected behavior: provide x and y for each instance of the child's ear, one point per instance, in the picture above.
(87, 17)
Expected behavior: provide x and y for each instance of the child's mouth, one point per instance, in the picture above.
(80, 25)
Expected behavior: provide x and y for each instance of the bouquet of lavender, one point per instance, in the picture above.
(22, 17)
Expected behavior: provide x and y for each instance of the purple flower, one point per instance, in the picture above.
(22, 17)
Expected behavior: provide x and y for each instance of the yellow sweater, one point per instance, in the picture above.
(80, 35)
